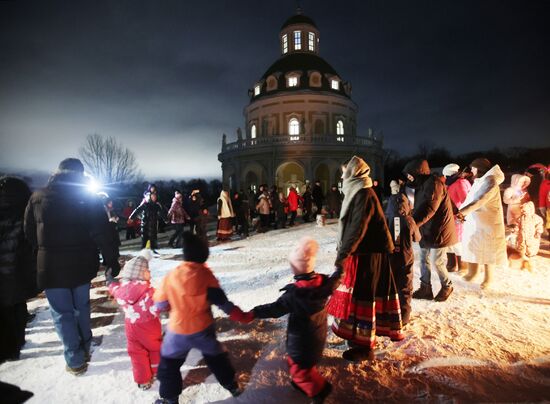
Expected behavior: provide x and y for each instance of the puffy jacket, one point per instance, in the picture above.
(530, 231)
(136, 300)
(433, 211)
(305, 300)
(67, 224)
(458, 190)
(515, 196)
(263, 206)
(177, 213)
(293, 200)
(149, 213)
(17, 263)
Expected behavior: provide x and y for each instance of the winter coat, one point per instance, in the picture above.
(334, 200)
(307, 200)
(263, 206)
(225, 208)
(17, 258)
(194, 206)
(317, 194)
(136, 300)
(543, 194)
(305, 300)
(281, 207)
(150, 213)
(408, 230)
(67, 224)
(363, 228)
(483, 240)
(515, 196)
(530, 230)
(293, 200)
(433, 211)
(177, 213)
(458, 189)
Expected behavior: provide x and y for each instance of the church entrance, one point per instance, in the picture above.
(290, 174)
(251, 181)
(322, 174)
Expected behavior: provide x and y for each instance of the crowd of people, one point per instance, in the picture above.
(51, 238)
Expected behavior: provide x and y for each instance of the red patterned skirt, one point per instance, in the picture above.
(225, 228)
(366, 303)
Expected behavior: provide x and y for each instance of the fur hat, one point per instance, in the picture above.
(194, 248)
(450, 169)
(137, 269)
(71, 164)
(394, 186)
(302, 257)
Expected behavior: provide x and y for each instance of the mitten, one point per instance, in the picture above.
(114, 267)
(238, 315)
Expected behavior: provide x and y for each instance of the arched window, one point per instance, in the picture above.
(294, 129)
(253, 132)
(297, 40)
(340, 130)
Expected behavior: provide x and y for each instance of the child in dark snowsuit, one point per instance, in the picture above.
(404, 231)
(305, 301)
(188, 291)
(134, 294)
(150, 211)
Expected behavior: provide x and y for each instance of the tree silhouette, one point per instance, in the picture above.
(109, 161)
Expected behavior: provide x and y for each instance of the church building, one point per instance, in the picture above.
(301, 122)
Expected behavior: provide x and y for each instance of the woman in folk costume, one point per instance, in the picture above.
(366, 303)
(225, 217)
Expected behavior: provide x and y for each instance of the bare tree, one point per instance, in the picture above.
(109, 161)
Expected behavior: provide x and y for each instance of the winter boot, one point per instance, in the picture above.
(462, 266)
(78, 370)
(358, 354)
(444, 293)
(161, 400)
(486, 284)
(320, 397)
(452, 265)
(526, 264)
(472, 272)
(424, 292)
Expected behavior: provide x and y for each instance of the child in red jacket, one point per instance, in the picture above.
(134, 294)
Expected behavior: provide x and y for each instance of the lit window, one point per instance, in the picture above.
(257, 90)
(294, 129)
(293, 81)
(253, 132)
(297, 40)
(285, 43)
(340, 131)
(311, 41)
(335, 85)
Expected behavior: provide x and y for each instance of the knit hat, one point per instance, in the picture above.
(302, 257)
(194, 248)
(482, 164)
(137, 269)
(71, 164)
(394, 186)
(450, 169)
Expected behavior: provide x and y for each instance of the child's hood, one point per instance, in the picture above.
(131, 291)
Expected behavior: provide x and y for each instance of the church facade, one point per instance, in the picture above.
(300, 124)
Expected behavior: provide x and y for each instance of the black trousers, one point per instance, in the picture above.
(145, 236)
(292, 217)
(171, 383)
(12, 332)
(177, 235)
(403, 275)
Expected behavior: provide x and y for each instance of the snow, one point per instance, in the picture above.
(479, 345)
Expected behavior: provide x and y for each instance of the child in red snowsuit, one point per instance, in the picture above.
(305, 301)
(134, 294)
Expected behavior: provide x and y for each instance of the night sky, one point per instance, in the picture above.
(167, 78)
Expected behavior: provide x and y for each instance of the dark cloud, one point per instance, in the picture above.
(168, 78)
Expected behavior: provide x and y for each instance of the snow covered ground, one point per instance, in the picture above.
(478, 346)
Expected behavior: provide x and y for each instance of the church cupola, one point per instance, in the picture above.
(299, 34)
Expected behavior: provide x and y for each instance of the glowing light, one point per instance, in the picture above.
(93, 185)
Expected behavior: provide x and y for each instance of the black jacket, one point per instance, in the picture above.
(17, 261)
(67, 224)
(399, 210)
(334, 200)
(364, 228)
(305, 300)
(317, 194)
(149, 213)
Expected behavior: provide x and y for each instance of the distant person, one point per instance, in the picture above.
(515, 196)
(263, 207)
(194, 209)
(544, 190)
(242, 212)
(67, 225)
(150, 211)
(131, 225)
(225, 217)
(366, 303)
(483, 238)
(457, 187)
(530, 231)
(187, 292)
(177, 216)
(318, 196)
(307, 204)
(134, 294)
(304, 301)
(334, 201)
(433, 214)
(112, 216)
(293, 201)
(17, 267)
(281, 208)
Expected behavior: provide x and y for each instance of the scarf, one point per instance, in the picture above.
(227, 207)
